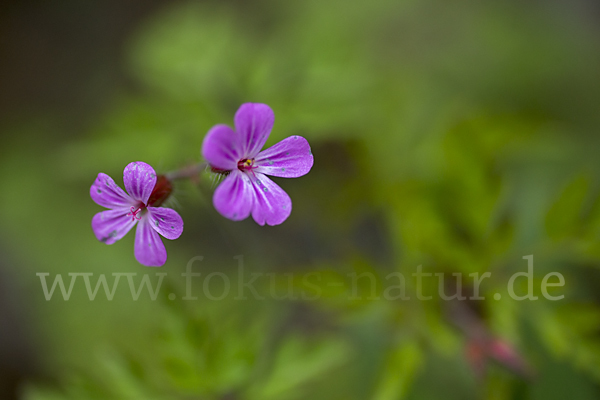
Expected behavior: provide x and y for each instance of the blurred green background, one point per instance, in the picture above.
(460, 136)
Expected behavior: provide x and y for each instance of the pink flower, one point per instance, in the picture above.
(236, 153)
(140, 204)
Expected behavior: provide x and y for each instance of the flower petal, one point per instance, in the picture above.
(271, 204)
(221, 147)
(166, 222)
(289, 158)
(139, 179)
(111, 225)
(106, 193)
(234, 197)
(149, 249)
(253, 121)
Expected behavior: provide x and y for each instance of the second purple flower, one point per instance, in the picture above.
(145, 193)
(236, 153)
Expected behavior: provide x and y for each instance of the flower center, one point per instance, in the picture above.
(246, 164)
(135, 211)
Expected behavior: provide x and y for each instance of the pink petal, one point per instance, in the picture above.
(139, 179)
(234, 197)
(107, 193)
(111, 225)
(271, 204)
(253, 121)
(166, 222)
(221, 147)
(289, 158)
(149, 249)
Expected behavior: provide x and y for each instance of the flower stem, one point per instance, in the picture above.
(186, 172)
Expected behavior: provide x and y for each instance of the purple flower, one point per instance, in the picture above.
(236, 153)
(146, 193)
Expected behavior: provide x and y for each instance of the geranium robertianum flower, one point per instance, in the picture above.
(146, 193)
(236, 153)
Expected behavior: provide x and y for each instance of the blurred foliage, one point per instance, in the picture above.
(460, 136)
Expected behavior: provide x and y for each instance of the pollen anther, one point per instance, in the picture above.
(246, 164)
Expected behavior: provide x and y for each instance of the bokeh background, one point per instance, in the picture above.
(457, 135)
